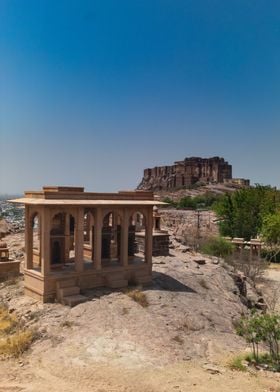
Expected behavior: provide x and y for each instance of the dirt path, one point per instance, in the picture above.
(180, 377)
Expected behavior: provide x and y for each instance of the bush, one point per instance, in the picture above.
(206, 201)
(14, 339)
(169, 201)
(139, 297)
(262, 328)
(16, 344)
(217, 246)
(271, 255)
(237, 363)
(252, 267)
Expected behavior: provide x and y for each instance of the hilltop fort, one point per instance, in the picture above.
(189, 172)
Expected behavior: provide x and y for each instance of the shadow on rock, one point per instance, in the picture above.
(168, 283)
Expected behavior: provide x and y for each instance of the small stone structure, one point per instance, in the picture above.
(79, 240)
(242, 182)
(4, 251)
(185, 173)
(255, 246)
(160, 237)
(8, 268)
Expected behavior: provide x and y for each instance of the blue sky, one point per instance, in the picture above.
(92, 92)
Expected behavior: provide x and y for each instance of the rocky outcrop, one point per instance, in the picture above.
(186, 173)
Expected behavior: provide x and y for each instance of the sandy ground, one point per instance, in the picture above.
(53, 375)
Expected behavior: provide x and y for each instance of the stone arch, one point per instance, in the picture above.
(35, 225)
(88, 231)
(111, 237)
(57, 238)
(137, 234)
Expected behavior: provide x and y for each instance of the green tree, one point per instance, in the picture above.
(242, 212)
(270, 233)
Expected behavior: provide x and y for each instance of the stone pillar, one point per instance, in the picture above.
(28, 239)
(79, 240)
(97, 238)
(124, 238)
(149, 237)
(40, 237)
(259, 248)
(91, 223)
(45, 241)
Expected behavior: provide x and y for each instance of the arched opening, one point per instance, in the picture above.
(88, 236)
(36, 241)
(57, 240)
(137, 238)
(56, 254)
(111, 239)
(70, 248)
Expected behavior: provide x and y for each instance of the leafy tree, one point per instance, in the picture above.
(243, 211)
(270, 233)
(271, 229)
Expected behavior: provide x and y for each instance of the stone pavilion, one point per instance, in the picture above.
(77, 240)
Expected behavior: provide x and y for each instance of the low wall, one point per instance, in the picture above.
(9, 269)
(188, 225)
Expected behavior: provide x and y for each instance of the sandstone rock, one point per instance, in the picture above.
(212, 369)
(200, 261)
(184, 249)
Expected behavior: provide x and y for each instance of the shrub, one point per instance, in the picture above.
(14, 339)
(252, 267)
(203, 283)
(16, 344)
(169, 201)
(178, 339)
(262, 328)
(217, 246)
(139, 297)
(272, 255)
(7, 321)
(237, 363)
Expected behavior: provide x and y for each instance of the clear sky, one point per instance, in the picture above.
(92, 92)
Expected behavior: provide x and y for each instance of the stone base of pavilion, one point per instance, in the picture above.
(9, 269)
(47, 288)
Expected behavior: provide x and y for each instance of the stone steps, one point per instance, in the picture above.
(73, 300)
(68, 293)
(71, 290)
(117, 284)
(145, 279)
(70, 282)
